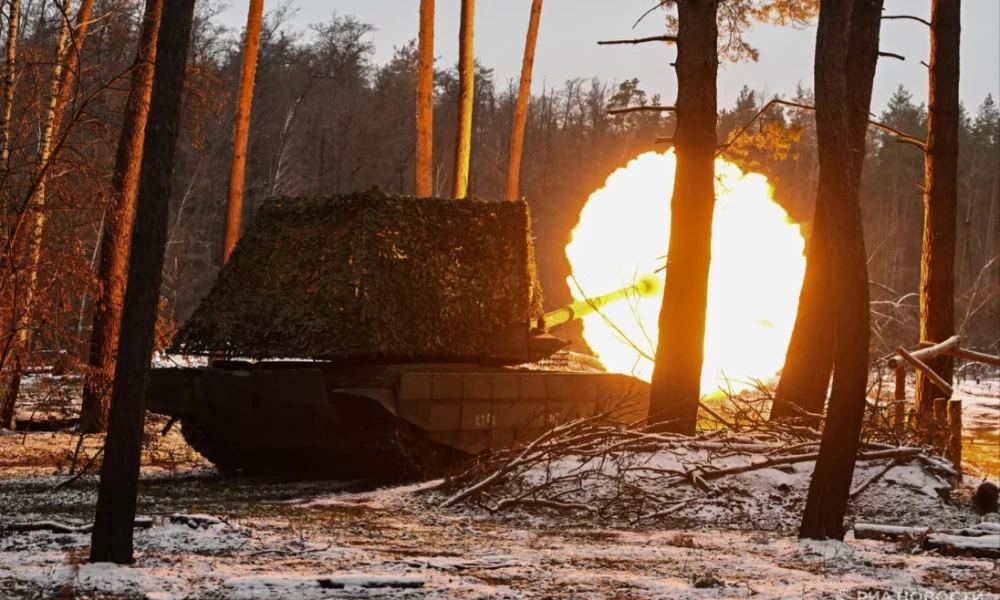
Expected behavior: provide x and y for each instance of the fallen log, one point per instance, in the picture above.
(926, 351)
(57, 527)
(972, 355)
(869, 531)
(983, 546)
(332, 582)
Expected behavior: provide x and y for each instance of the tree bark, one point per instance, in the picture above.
(241, 129)
(523, 97)
(112, 269)
(425, 102)
(112, 537)
(676, 379)
(937, 272)
(11, 380)
(466, 82)
(809, 360)
(846, 43)
(72, 60)
(9, 84)
(805, 377)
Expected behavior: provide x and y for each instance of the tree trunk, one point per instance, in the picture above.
(11, 380)
(676, 384)
(35, 212)
(466, 81)
(112, 269)
(805, 377)
(112, 537)
(9, 84)
(425, 102)
(72, 60)
(241, 129)
(523, 97)
(937, 273)
(10, 392)
(846, 43)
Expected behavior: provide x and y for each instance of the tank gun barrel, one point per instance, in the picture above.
(646, 286)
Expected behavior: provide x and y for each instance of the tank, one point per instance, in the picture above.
(380, 336)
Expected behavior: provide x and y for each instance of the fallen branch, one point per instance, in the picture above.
(56, 527)
(964, 354)
(928, 350)
(926, 370)
(82, 472)
(987, 546)
(864, 486)
(869, 531)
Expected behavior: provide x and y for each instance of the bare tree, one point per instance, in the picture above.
(241, 129)
(35, 205)
(466, 81)
(112, 269)
(111, 540)
(523, 96)
(846, 42)
(676, 379)
(425, 101)
(937, 273)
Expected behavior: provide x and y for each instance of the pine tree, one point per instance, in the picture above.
(425, 102)
(523, 96)
(466, 86)
(937, 273)
(241, 129)
(112, 269)
(111, 540)
(676, 382)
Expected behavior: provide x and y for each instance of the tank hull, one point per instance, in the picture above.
(310, 419)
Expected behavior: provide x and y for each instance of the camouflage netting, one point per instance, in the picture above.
(374, 277)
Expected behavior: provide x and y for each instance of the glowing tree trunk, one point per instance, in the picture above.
(241, 129)
(425, 102)
(937, 273)
(112, 269)
(12, 374)
(466, 80)
(9, 83)
(72, 60)
(680, 350)
(523, 97)
(111, 540)
(805, 377)
(846, 42)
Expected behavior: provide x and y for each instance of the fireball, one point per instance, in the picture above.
(754, 282)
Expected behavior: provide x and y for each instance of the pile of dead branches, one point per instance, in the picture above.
(600, 467)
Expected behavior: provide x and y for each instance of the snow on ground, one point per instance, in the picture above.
(261, 540)
(325, 539)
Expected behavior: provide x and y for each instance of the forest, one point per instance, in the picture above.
(174, 187)
(327, 119)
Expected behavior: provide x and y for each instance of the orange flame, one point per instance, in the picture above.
(754, 281)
